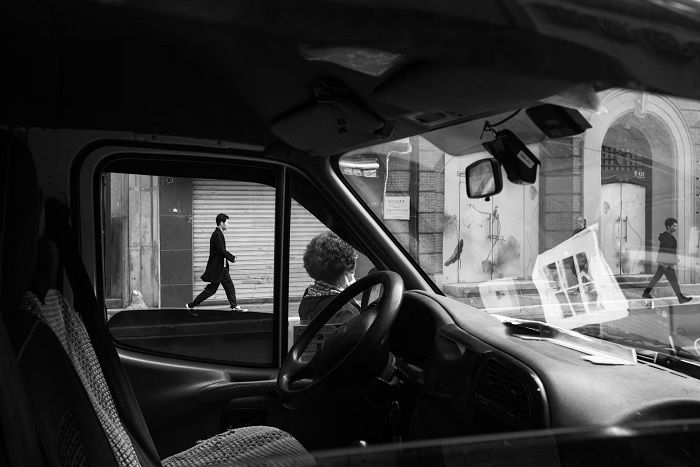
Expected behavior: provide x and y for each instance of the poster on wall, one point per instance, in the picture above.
(576, 285)
(397, 207)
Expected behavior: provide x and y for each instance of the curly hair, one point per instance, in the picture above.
(328, 257)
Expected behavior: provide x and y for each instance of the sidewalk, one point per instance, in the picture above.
(525, 295)
(525, 290)
(260, 307)
(527, 286)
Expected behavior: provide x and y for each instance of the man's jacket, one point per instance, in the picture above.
(667, 250)
(218, 257)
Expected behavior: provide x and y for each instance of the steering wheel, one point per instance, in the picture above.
(353, 351)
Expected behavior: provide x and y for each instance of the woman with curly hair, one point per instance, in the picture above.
(330, 262)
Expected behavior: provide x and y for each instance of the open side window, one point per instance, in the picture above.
(158, 218)
(158, 223)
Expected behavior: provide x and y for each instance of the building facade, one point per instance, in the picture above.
(635, 167)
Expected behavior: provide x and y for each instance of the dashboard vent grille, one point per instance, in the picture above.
(502, 386)
(646, 358)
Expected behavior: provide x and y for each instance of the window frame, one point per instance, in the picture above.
(158, 159)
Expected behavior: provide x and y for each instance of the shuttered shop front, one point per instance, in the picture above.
(303, 227)
(250, 237)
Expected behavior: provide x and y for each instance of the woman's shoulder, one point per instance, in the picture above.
(309, 308)
(311, 305)
(346, 312)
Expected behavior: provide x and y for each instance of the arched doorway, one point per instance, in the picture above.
(638, 172)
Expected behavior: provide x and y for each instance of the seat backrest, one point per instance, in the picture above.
(54, 311)
(67, 426)
(76, 418)
(92, 313)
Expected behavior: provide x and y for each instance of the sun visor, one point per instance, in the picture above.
(465, 138)
(321, 128)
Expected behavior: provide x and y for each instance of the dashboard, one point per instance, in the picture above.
(468, 373)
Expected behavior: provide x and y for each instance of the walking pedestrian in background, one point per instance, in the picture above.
(217, 270)
(667, 259)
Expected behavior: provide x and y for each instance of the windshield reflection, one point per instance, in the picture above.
(604, 242)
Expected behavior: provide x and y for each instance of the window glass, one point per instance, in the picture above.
(603, 242)
(175, 269)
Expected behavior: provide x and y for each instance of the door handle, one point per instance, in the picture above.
(626, 227)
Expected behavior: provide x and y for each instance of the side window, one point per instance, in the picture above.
(307, 294)
(168, 285)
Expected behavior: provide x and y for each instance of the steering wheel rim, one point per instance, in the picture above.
(367, 331)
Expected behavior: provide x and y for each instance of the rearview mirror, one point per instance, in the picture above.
(483, 178)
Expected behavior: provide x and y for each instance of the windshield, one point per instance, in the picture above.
(604, 242)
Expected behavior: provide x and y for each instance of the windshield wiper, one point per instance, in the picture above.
(672, 362)
(651, 350)
(623, 346)
(531, 327)
(630, 339)
(597, 351)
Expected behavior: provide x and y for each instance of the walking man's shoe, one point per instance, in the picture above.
(684, 299)
(647, 294)
(191, 309)
(238, 308)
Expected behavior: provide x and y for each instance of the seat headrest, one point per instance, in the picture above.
(20, 218)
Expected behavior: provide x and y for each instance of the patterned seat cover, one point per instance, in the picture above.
(253, 445)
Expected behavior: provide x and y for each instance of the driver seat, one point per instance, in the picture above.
(240, 445)
(85, 413)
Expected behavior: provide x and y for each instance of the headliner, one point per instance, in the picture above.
(234, 70)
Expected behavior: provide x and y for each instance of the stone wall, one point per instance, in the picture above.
(176, 240)
(561, 200)
(144, 239)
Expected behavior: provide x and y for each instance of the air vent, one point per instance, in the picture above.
(503, 387)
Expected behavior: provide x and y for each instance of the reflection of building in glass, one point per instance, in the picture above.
(633, 169)
(626, 191)
(646, 174)
(400, 176)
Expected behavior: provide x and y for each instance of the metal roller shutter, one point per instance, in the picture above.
(250, 234)
(250, 237)
(303, 227)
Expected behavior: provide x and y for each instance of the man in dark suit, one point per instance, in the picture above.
(217, 269)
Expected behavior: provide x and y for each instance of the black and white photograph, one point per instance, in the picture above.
(345, 232)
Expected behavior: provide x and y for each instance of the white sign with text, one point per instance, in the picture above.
(397, 207)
